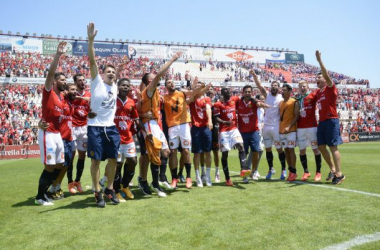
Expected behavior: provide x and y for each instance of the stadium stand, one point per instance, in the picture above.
(20, 105)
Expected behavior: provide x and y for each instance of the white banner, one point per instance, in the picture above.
(26, 45)
(204, 54)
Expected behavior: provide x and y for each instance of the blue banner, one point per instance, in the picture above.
(275, 61)
(101, 49)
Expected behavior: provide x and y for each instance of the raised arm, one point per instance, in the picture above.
(258, 83)
(151, 87)
(91, 33)
(323, 69)
(53, 66)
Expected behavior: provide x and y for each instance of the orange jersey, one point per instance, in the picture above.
(150, 104)
(287, 115)
(176, 109)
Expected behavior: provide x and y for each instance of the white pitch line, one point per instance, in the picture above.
(324, 186)
(360, 240)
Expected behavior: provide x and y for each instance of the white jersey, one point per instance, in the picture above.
(260, 117)
(272, 114)
(103, 103)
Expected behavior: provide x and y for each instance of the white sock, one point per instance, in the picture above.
(216, 171)
(58, 187)
(208, 171)
(197, 173)
(52, 189)
(104, 179)
(203, 170)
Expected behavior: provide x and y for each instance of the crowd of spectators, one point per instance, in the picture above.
(26, 64)
(20, 105)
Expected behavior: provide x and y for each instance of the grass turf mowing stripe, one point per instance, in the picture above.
(360, 240)
(323, 186)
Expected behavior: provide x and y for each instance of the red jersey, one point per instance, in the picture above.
(81, 109)
(326, 101)
(307, 117)
(66, 120)
(51, 110)
(125, 115)
(247, 116)
(227, 112)
(198, 111)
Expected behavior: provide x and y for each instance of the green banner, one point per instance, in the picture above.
(50, 47)
(294, 58)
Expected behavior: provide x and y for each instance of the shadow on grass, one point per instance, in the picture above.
(28, 203)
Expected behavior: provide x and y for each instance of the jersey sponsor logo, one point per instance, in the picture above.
(246, 120)
(175, 109)
(81, 113)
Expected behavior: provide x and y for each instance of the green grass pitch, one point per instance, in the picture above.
(259, 215)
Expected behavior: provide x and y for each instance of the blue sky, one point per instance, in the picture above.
(346, 32)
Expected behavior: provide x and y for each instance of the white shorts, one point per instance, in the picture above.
(228, 139)
(51, 147)
(80, 138)
(271, 134)
(180, 133)
(262, 146)
(306, 137)
(126, 151)
(289, 140)
(156, 131)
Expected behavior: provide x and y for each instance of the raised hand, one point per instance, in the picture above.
(91, 31)
(62, 49)
(177, 55)
(318, 55)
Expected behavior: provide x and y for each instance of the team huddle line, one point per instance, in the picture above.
(101, 123)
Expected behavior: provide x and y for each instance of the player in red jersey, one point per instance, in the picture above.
(307, 129)
(55, 191)
(50, 141)
(201, 118)
(328, 132)
(81, 107)
(247, 108)
(229, 135)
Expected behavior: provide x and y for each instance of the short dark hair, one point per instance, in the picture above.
(123, 80)
(58, 74)
(223, 89)
(109, 66)
(247, 87)
(287, 86)
(75, 77)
